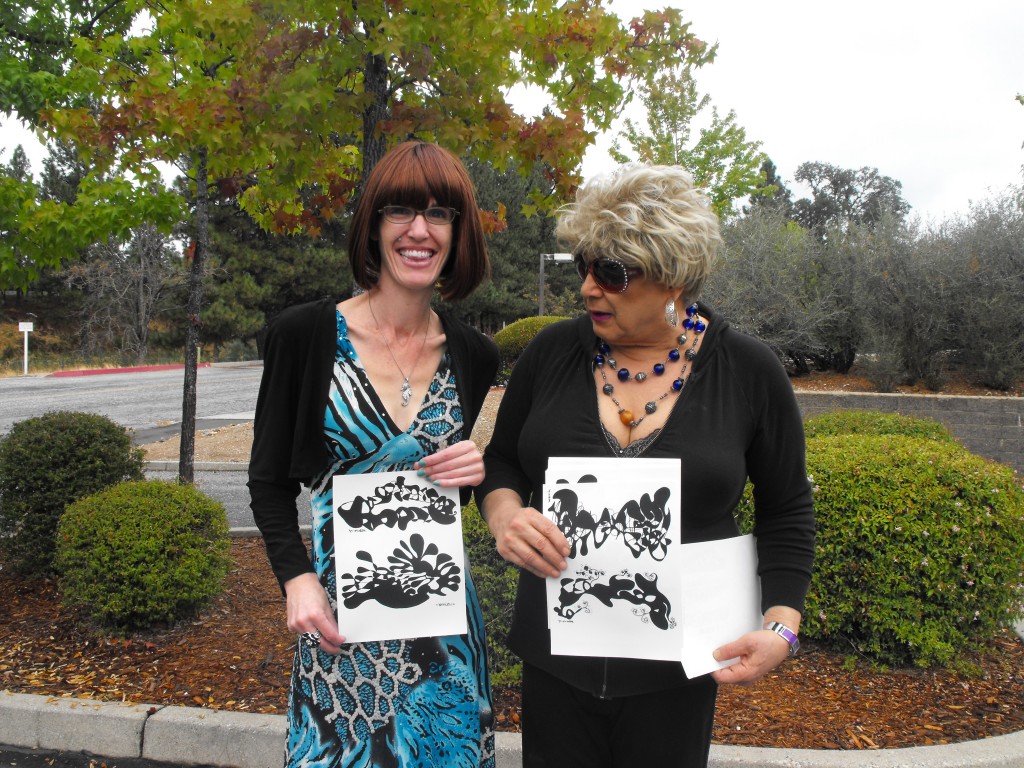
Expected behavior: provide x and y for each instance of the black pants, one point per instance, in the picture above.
(565, 727)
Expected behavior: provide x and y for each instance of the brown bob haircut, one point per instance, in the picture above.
(411, 174)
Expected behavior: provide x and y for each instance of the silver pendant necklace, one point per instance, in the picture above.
(406, 388)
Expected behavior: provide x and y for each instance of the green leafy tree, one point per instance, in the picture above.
(988, 264)
(760, 284)
(19, 168)
(514, 249)
(254, 274)
(771, 192)
(721, 159)
(844, 196)
(17, 191)
(63, 171)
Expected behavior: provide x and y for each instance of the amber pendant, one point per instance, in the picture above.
(626, 417)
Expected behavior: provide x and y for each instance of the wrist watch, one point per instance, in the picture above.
(786, 634)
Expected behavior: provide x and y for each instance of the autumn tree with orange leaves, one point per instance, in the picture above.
(285, 105)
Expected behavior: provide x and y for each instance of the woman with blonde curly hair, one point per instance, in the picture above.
(648, 372)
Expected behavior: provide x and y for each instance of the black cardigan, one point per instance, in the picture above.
(288, 447)
(737, 418)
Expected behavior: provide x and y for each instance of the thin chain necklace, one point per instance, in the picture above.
(406, 388)
(692, 322)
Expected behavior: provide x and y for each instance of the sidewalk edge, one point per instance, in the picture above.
(195, 736)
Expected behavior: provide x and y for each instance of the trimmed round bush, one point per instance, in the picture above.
(920, 550)
(47, 462)
(142, 554)
(875, 423)
(513, 338)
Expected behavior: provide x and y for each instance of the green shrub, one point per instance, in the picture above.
(140, 554)
(47, 462)
(920, 550)
(874, 423)
(496, 582)
(513, 338)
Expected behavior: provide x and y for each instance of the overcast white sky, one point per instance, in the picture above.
(924, 91)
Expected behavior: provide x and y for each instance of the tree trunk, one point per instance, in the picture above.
(375, 83)
(186, 456)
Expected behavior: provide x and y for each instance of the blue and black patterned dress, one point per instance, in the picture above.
(401, 703)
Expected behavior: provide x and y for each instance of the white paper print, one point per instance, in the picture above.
(620, 594)
(399, 559)
(722, 595)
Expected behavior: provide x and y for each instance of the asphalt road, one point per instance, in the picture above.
(14, 757)
(149, 403)
(145, 401)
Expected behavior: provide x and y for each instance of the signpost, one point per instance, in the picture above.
(25, 328)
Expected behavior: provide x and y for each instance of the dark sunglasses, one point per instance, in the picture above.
(609, 273)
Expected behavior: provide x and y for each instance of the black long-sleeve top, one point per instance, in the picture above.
(288, 444)
(737, 418)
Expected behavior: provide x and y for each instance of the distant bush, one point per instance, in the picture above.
(47, 462)
(142, 554)
(238, 350)
(496, 581)
(875, 423)
(920, 550)
(513, 338)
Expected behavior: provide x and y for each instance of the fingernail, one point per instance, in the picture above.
(421, 473)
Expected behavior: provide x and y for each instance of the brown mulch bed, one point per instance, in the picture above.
(237, 654)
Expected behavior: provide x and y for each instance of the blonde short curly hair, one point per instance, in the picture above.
(650, 217)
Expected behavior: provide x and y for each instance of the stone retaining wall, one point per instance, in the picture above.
(992, 427)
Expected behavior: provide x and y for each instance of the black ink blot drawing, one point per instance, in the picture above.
(395, 505)
(416, 572)
(642, 525)
(638, 589)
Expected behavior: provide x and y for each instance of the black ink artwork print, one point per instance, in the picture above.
(638, 589)
(415, 571)
(396, 505)
(642, 524)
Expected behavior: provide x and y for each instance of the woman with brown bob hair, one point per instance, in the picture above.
(398, 180)
(379, 382)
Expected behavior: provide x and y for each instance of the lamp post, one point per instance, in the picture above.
(557, 258)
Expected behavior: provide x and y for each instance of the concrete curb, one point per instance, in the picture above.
(194, 736)
(997, 752)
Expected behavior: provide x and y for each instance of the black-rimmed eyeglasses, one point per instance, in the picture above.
(404, 214)
(609, 273)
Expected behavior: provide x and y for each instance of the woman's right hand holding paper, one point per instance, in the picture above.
(524, 536)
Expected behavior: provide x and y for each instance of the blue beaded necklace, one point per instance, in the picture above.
(603, 357)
